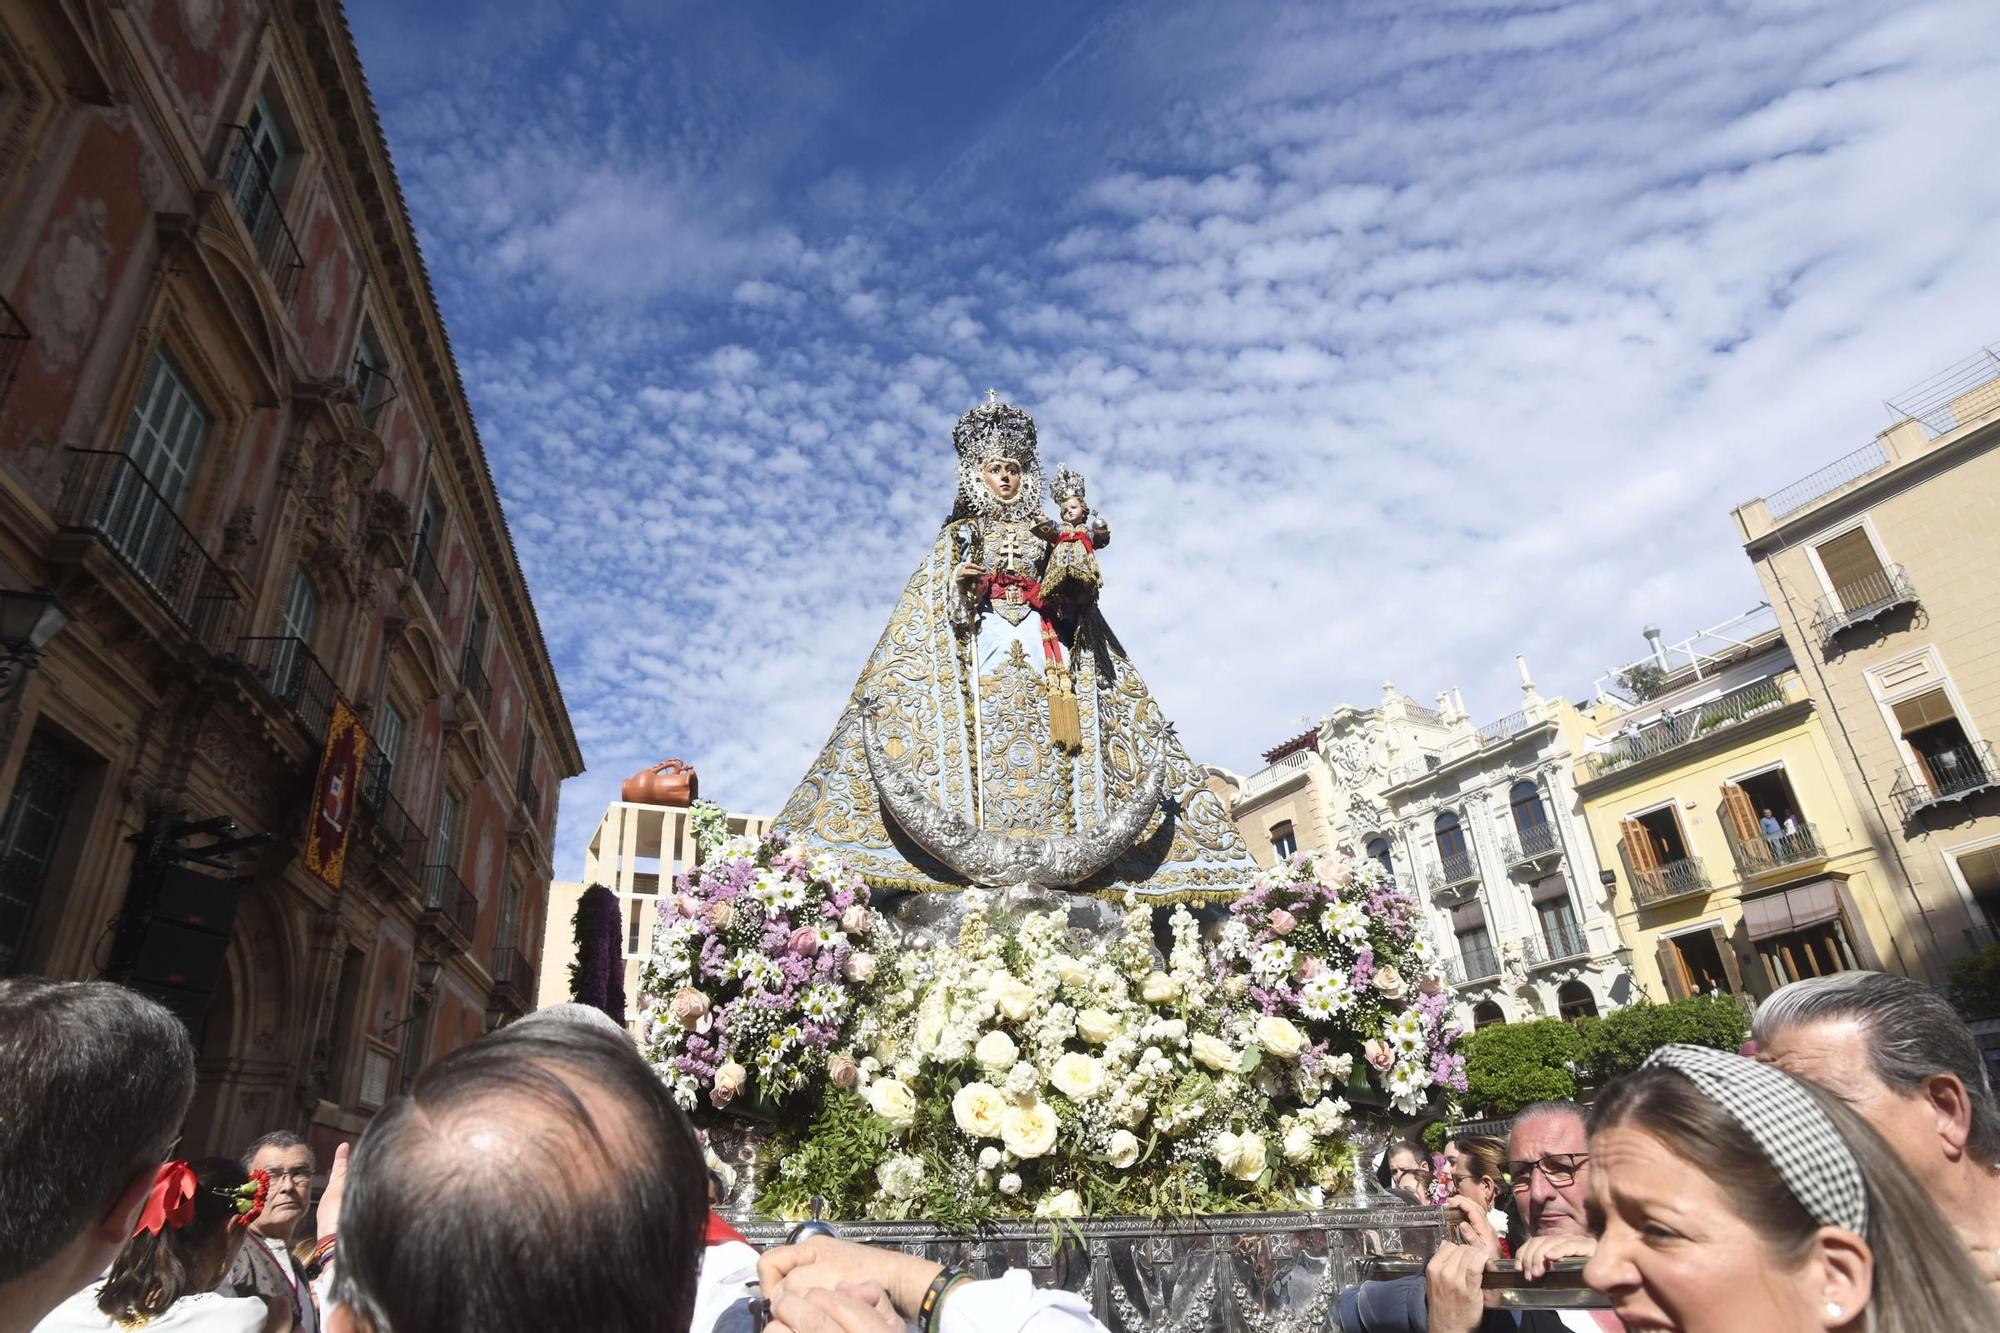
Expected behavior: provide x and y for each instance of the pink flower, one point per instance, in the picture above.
(1390, 982)
(845, 1074)
(1430, 985)
(1282, 922)
(689, 1006)
(687, 905)
(1310, 967)
(855, 920)
(804, 942)
(860, 968)
(729, 1081)
(1335, 873)
(721, 914)
(1377, 1053)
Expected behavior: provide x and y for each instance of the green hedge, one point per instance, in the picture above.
(1510, 1065)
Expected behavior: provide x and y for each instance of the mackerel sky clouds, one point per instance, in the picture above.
(1394, 338)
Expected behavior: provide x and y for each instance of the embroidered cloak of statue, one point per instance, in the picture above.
(997, 739)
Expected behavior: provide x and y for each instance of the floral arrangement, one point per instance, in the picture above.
(1018, 1070)
(756, 971)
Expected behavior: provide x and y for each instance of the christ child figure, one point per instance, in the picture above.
(1071, 578)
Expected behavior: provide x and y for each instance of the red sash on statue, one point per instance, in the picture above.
(1080, 537)
(1031, 593)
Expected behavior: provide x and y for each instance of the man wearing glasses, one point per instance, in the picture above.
(268, 1267)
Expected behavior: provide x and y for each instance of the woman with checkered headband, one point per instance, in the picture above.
(1727, 1195)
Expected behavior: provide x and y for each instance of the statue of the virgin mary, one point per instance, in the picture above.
(998, 737)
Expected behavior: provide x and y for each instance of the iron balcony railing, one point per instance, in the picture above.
(291, 675)
(1476, 962)
(1532, 842)
(373, 389)
(529, 793)
(1864, 599)
(1954, 774)
(256, 196)
(1453, 870)
(1790, 499)
(1675, 729)
(473, 676)
(14, 338)
(1555, 945)
(1775, 851)
(1511, 725)
(423, 568)
(1669, 880)
(393, 825)
(107, 495)
(513, 976)
(446, 896)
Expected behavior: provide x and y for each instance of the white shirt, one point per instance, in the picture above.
(203, 1312)
(1012, 1303)
(728, 1274)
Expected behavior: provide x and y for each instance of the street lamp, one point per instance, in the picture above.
(28, 620)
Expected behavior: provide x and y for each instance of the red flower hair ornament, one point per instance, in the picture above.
(170, 1203)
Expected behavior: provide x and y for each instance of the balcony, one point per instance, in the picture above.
(1511, 725)
(108, 497)
(1669, 880)
(14, 338)
(1768, 853)
(256, 195)
(447, 902)
(472, 676)
(373, 390)
(1473, 964)
(423, 568)
(513, 980)
(1864, 599)
(529, 793)
(295, 680)
(1536, 842)
(1673, 730)
(1954, 775)
(1555, 946)
(1453, 871)
(393, 827)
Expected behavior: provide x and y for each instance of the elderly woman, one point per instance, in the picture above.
(1728, 1195)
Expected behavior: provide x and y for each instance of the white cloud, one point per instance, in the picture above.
(1393, 340)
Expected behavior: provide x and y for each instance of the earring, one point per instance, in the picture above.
(1833, 1310)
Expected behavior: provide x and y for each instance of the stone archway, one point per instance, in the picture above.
(253, 1040)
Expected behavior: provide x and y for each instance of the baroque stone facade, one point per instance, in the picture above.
(236, 448)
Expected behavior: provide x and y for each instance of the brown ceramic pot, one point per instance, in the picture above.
(669, 782)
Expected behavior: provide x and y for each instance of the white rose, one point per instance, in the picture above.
(1240, 1155)
(892, 1099)
(996, 1052)
(1071, 972)
(1298, 1143)
(1123, 1150)
(1214, 1052)
(1066, 1204)
(1013, 997)
(860, 968)
(1077, 1076)
(979, 1110)
(1029, 1131)
(855, 920)
(729, 1080)
(1280, 1036)
(1010, 1184)
(1096, 1026)
(1158, 988)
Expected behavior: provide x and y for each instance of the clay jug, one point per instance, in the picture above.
(669, 782)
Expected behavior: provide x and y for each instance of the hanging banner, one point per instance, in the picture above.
(335, 795)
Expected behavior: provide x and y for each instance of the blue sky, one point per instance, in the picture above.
(1394, 338)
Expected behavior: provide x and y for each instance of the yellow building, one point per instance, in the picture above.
(636, 853)
(1885, 566)
(1736, 855)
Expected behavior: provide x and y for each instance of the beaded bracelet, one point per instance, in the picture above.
(933, 1302)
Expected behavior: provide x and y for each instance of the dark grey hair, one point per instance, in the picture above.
(1545, 1111)
(551, 1144)
(1912, 1033)
(284, 1141)
(97, 1078)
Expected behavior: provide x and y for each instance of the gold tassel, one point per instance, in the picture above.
(1065, 730)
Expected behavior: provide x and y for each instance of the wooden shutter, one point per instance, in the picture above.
(1638, 846)
(1742, 815)
(1727, 953)
(1673, 971)
(1850, 562)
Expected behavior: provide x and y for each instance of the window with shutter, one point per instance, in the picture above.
(1853, 568)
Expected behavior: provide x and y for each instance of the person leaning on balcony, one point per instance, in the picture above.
(1773, 830)
(1896, 1052)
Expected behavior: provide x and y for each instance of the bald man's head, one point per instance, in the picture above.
(541, 1177)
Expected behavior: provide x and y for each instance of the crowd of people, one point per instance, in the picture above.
(1846, 1178)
